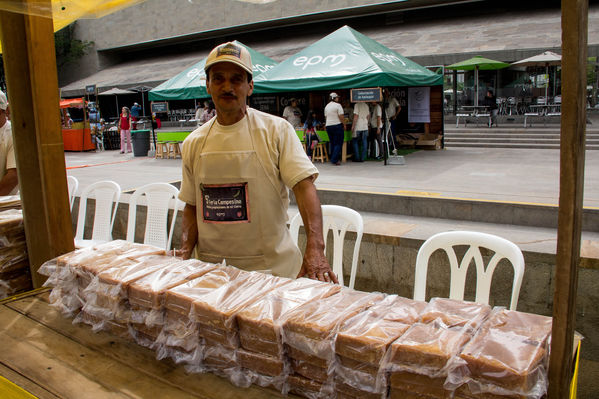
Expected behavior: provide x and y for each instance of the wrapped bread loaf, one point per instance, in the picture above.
(218, 307)
(508, 360)
(260, 363)
(456, 313)
(180, 298)
(426, 348)
(532, 326)
(308, 388)
(311, 328)
(419, 384)
(344, 390)
(150, 291)
(366, 336)
(259, 322)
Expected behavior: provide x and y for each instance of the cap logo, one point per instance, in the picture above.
(229, 49)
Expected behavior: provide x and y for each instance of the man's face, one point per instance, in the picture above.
(228, 85)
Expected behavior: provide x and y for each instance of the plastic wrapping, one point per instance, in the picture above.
(506, 357)
(217, 308)
(180, 298)
(150, 291)
(426, 349)
(259, 323)
(14, 264)
(179, 332)
(456, 313)
(310, 389)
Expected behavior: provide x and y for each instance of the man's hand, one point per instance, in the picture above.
(315, 264)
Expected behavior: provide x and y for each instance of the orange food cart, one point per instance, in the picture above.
(76, 136)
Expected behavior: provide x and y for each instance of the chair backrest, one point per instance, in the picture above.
(160, 197)
(336, 219)
(106, 193)
(447, 240)
(73, 184)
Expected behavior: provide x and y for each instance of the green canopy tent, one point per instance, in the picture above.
(191, 83)
(342, 60)
(478, 63)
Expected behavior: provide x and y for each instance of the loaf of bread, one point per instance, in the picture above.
(311, 327)
(347, 391)
(355, 365)
(294, 353)
(508, 360)
(256, 344)
(150, 290)
(311, 371)
(218, 308)
(428, 346)
(307, 388)
(219, 358)
(397, 393)
(217, 336)
(113, 254)
(419, 384)
(366, 336)
(260, 363)
(534, 327)
(180, 298)
(259, 319)
(456, 313)
(464, 392)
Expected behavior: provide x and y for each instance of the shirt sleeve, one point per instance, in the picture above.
(10, 157)
(294, 164)
(187, 193)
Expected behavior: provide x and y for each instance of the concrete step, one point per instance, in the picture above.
(511, 145)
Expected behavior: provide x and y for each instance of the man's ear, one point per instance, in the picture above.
(251, 88)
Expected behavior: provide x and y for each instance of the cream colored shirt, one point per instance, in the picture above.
(333, 113)
(287, 160)
(362, 110)
(7, 152)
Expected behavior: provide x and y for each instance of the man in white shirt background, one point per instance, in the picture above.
(335, 125)
(293, 114)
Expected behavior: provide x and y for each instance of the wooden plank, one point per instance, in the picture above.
(143, 360)
(30, 67)
(25, 383)
(68, 369)
(572, 152)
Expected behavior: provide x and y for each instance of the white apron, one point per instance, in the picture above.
(240, 215)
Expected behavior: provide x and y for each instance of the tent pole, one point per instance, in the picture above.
(574, 24)
(476, 85)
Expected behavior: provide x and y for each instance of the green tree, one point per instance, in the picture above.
(69, 49)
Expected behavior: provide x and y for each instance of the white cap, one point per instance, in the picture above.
(334, 95)
(3, 101)
(230, 52)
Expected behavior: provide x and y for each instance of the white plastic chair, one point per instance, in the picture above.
(447, 240)
(73, 185)
(337, 219)
(160, 197)
(106, 193)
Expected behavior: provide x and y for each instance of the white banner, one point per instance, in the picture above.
(419, 100)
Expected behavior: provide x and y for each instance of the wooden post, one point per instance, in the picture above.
(572, 148)
(30, 67)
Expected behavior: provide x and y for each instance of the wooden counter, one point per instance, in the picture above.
(45, 354)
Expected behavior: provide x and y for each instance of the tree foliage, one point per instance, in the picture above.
(68, 48)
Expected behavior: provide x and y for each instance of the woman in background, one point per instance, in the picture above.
(310, 136)
(125, 129)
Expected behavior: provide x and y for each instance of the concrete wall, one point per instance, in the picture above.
(386, 264)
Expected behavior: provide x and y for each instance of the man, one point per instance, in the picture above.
(491, 102)
(334, 121)
(293, 114)
(376, 124)
(135, 111)
(8, 167)
(360, 131)
(393, 109)
(236, 170)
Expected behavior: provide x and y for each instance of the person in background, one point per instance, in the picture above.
(9, 181)
(310, 136)
(293, 114)
(135, 111)
(125, 123)
(393, 109)
(69, 122)
(247, 159)
(359, 131)
(376, 125)
(198, 115)
(335, 125)
(209, 112)
(491, 102)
